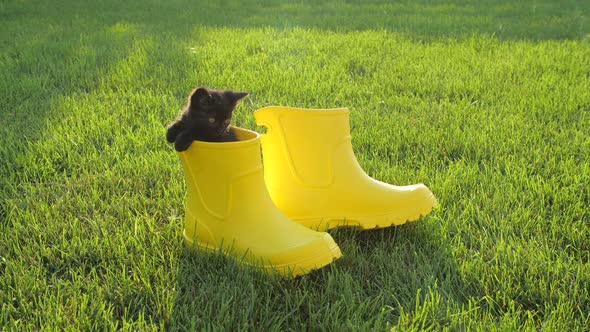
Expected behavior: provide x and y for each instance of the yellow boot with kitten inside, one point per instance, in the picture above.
(228, 208)
(314, 178)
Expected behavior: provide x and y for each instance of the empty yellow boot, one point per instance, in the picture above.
(228, 208)
(313, 176)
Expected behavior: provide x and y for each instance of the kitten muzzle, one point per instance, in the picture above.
(224, 130)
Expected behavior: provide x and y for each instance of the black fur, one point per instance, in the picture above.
(206, 117)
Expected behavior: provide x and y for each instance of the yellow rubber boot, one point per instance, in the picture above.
(228, 208)
(314, 178)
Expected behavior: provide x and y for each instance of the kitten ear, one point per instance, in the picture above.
(198, 94)
(238, 95)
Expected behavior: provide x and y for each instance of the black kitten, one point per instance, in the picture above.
(206, 117)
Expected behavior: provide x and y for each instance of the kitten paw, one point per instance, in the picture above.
(172, 132)
(181, 144)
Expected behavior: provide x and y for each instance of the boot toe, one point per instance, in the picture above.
(306, 257)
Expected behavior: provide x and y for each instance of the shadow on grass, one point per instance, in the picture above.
(382, 274)
(401, 265)
(39, 73)
(59, 83)
(538, 20)
(74, 97)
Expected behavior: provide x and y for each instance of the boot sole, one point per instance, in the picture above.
(370, 221)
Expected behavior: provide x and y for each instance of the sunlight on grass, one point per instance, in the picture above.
(495, 122)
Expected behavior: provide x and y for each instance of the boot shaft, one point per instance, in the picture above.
(303, 144)
(211, 168)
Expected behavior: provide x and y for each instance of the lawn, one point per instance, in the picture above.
(486, 102)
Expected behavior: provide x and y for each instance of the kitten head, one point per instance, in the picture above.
(210, 110)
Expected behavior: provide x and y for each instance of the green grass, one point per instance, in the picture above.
(488, 103)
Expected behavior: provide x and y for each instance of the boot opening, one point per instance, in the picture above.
(245, 134)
